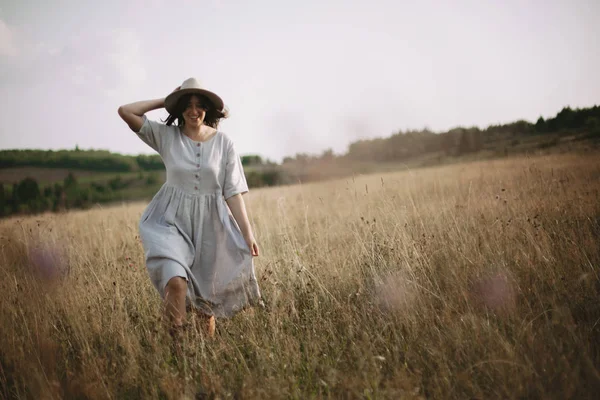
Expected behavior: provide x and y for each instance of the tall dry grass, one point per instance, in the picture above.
(478, 280)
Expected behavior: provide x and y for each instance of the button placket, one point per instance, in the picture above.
(198, 156)
(197, 175)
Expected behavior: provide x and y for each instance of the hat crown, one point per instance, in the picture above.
(191, 86)
(191, 83)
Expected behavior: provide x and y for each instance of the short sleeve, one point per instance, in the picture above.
(154, 134)
(235, 180)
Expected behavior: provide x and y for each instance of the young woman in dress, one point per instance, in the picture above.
(198, 242)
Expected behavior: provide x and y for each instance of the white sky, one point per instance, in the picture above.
(297, 76)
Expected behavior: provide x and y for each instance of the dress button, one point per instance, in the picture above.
(197, 165)
(198, 144)
(196, 187)
(197, 154)
(196, 175)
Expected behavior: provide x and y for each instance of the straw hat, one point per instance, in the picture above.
(191, 85)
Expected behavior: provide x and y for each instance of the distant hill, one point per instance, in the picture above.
(40, 180)
(410, 145)
(89, 160)
(15, 174)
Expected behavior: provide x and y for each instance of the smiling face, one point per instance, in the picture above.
(195, 111)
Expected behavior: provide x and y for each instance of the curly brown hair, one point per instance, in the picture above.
(212, 118)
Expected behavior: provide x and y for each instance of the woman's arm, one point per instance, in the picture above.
(238, 209)
(133, 113)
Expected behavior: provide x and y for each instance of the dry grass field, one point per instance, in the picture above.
(478, 280)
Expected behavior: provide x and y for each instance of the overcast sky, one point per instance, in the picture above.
(297, 76)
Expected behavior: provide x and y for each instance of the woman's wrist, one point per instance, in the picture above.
(247, 233)
(158, 103)
(155, 105)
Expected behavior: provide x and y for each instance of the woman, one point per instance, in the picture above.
(198, 242)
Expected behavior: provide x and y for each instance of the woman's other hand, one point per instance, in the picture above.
(252, 246)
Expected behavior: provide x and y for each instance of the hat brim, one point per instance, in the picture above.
(172, 99)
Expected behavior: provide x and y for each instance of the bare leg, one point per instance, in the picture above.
(175, 293)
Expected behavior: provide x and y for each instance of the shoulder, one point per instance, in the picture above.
(158, 124)
(225, 139)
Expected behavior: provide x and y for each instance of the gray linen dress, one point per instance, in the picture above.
(187, 229)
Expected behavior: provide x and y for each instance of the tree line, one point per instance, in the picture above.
(90, 160)
(29, 197)
(95, 160)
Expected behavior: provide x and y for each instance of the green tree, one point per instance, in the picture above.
(540, 125)
(270, 178)
(592, 126)
(28, 193)
(48, 191)
(251, 160)
(254, 179)
(565, 119)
